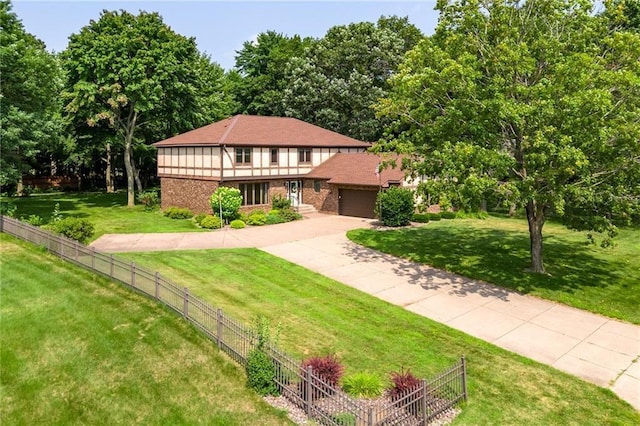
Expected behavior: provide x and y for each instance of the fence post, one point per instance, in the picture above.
(75, 245)
(133, 274)
(111, 265)
(219, 328)
(423, 403)
(307, 397)
(93, 258)
(370, 417)
(185, 308)
(464, 377)
(157, 292)
(1, 223)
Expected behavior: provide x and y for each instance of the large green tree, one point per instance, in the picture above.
(343, 74)
(130, 73)
(30, 80)
(262, 64)
(536, 102)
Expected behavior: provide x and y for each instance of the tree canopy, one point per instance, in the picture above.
(262, 64)
(531, 102)
(30, 117)
(132, 72)
(343, 74)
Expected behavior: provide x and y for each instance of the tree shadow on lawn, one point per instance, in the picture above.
(491, 255)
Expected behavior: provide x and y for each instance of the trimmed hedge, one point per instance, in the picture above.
(421, 217)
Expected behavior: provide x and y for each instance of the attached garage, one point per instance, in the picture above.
(357, 202)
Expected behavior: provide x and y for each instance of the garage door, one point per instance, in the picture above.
(355, 202)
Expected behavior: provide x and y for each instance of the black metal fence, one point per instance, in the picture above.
(321, 401)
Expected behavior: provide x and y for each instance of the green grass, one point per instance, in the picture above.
(496, 250)
(77, 349)
(108, 212)
(320, 316)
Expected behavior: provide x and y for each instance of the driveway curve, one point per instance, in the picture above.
(596, 348)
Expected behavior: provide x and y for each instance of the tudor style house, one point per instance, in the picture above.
(271, 156)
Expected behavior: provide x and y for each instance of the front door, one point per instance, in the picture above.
(293, 192)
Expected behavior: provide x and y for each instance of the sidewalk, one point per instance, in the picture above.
(598, 349)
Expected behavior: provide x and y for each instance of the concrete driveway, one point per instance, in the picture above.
(598, 349)
(316, 225)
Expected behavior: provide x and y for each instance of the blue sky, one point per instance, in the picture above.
(220, 27)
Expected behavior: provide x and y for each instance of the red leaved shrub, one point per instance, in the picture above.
(403, 391)
(327, 372)
(328, 368)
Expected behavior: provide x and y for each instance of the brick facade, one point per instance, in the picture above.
(191, 193)
(194, 194)
(325, 201)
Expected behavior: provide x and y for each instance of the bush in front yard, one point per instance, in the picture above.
(402, 384)
(198, 218)
(363, 385)
(211, 222)
(75, 228)
(289, 215)
(274, 218)
(327, 372)
(261, 373)
(448, 215)
(226, 202)
(421, 217)
(395, 206)
(280, 203)
(149, 199)
(257, 218)
(237, 224)
(178, 213)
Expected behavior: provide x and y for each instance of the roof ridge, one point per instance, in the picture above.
(231, 126)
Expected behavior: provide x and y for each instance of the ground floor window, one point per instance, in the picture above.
(254, 193)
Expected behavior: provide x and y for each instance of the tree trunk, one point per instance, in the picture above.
(536, 218)
(129, 128)
(136, 176)
(19, 187)
(131, 195)
(107, 171)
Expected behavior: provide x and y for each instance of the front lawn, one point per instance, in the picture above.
(320, 316)
(78, 349)
(107, 212)
(496, 250)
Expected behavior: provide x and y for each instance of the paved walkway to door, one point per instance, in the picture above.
(598, 349)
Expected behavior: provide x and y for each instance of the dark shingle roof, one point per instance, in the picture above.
(244, 130)
(357, 169)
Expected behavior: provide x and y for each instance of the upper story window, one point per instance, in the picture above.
(274, 155)
(243, 156)
(304, 155)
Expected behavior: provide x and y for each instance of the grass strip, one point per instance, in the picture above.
(320, 316)
(78, 349)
